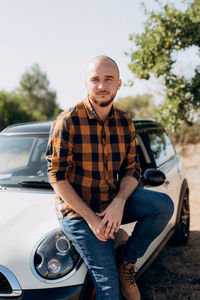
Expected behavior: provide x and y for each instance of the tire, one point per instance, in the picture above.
(88, 292)
(182, 230)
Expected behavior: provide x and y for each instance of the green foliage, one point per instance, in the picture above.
(12, 109)
(138, 107)
(165, 33)
(40, 99)
(33, 101)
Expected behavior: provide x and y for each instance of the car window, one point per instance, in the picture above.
(14, 152)
(161, 146)
(22, 158)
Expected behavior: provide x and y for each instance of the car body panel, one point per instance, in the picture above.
(173, 180)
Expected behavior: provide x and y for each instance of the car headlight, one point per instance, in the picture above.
(55, 257)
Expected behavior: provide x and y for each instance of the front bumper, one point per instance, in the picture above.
(61, 293)
(11, 289)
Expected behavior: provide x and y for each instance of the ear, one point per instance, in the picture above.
(119, 84)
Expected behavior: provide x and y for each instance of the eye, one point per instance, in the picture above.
(94, 79)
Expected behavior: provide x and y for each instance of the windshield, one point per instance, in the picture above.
(22, 159)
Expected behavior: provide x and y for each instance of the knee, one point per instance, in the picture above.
(166, 206)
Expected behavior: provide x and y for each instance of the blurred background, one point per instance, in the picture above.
(46, 46)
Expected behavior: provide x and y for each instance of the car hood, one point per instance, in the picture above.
(25, 211)
(26, 216)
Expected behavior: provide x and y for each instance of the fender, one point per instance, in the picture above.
(184, 188)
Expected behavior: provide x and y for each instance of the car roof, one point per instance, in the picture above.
(29, 127)
(142, 124)
(44, 127)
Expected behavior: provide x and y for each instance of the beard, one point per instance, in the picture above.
(102, 102)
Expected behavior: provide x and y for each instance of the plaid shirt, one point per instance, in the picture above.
(93, 156)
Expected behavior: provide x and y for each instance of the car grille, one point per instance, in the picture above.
(9, 286)
(5, 286)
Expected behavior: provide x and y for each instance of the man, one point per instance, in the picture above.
(94, 170)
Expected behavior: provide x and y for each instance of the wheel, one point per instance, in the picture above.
(182, 232)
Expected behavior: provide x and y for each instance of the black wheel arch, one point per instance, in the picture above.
(184, 189)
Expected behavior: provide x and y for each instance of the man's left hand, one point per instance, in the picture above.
(112, 217)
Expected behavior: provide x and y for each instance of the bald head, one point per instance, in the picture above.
(102, 60)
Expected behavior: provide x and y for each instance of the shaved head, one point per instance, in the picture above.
(102, 59)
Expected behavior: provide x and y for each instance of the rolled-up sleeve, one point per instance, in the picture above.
(131, 165)
(59, 150)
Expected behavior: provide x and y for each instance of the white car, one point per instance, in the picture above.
(37, 261)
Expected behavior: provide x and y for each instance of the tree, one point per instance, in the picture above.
(138, 107)
(40, 99)
(166, 32)
(12, 110)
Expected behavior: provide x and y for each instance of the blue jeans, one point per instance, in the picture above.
(152, 211)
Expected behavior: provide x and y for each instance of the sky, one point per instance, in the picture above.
(62, 36)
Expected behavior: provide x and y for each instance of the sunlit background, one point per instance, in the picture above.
(63, 35)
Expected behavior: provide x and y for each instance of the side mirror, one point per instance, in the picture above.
(154, 177)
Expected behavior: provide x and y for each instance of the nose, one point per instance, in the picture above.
(101, 85)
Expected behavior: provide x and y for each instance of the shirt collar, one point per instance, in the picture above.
(90, 109)
(92, 113)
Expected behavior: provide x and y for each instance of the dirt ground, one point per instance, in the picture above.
(175, 274)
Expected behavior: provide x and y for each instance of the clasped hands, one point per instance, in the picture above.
(108, 221)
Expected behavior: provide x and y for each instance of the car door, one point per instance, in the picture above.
(165, 158)
(155, 150)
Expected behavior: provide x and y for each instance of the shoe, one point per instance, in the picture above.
(129, 287)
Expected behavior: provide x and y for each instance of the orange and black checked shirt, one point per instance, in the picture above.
(92, 155)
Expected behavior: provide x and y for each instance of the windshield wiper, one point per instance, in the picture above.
(35, 184)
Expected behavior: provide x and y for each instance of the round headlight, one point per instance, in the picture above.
(62, 244)
(55, 256)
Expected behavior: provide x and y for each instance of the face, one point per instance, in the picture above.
(102, 81)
